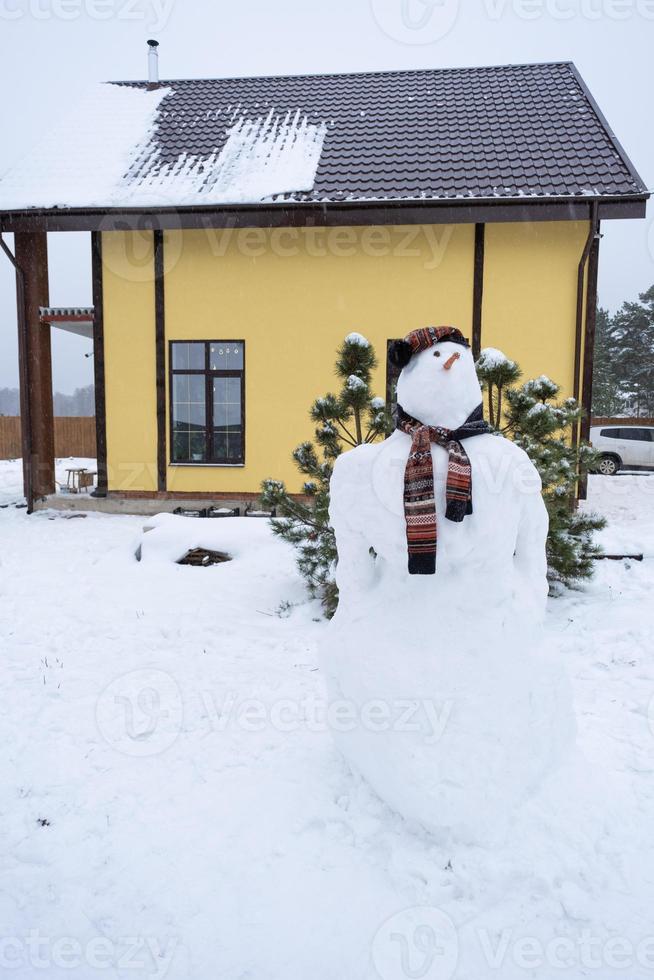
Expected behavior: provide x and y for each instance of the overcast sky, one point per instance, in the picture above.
(51, 49)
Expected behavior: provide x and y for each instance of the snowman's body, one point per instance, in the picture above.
(459, 713)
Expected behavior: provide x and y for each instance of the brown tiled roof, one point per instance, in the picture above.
(498, 132)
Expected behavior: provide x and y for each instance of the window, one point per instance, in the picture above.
(207, 401)
(628, 433)
(638, 435)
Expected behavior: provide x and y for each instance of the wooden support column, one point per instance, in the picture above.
(160, 356)
(37, 426)
(478, 288)
(589, 346)
(98, 365)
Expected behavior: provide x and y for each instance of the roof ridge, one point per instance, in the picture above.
(349, 74)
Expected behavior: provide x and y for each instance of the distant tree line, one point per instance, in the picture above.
(623, 372)
(81, 402)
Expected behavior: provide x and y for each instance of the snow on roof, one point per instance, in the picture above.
(82, 162)
(105, 155)
(261, 158)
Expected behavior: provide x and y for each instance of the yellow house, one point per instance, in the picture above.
(240, 228)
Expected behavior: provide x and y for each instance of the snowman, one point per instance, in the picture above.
(442, 695)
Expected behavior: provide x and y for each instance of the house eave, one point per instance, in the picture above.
(299, 214)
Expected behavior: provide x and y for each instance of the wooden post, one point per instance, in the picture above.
(160, 356)
(478, 288)
(98, 365)
(589, 348)
(31, 249)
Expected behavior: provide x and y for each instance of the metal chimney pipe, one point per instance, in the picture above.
(153, 62)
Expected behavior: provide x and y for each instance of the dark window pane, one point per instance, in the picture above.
(189, 400)
(611, 433)
(227, 414)
(189, 446)
(635, 434)
(226, 391)
(198, 446)
(189, 418)
(227, 430)
(181, 448)
(226, 356)
(188, 356)
(228, 444)
(189, 387)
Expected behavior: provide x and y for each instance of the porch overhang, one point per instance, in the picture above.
(71, 319)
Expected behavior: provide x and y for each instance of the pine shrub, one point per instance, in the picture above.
(543, 426)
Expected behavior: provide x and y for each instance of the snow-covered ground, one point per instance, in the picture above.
(172, 803)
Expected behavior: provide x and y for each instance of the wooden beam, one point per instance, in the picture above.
(579, 314)
(478, 288)
(99, 365)
(35, 354)
(160, 356)
(319, 214)
(589, 347)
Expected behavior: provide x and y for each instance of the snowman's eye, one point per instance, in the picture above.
(437, 353)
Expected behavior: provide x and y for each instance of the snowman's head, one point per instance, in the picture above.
(438, 384)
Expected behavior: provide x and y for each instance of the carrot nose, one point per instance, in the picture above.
(450, 361)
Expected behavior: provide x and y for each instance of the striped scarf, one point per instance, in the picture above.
(419, 503)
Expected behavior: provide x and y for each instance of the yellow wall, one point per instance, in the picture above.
(292, 295)
(530, 295)
(129, 341)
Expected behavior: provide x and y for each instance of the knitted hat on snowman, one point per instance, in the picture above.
(400, 352)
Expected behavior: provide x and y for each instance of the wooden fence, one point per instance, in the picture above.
(74, 436)
(623, 422)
